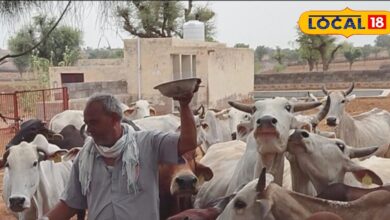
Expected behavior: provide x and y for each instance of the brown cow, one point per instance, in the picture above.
(210, 213)
(324, 216)
(342, 192)
(178, 183)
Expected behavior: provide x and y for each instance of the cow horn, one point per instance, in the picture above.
(196, 112)
(261, 183)
(3, 161)
(324, 111)
(349, 90)
(362, 152)
(305, 106)
(245, 108)
(218, 114)
(324, 90)
(214, 110)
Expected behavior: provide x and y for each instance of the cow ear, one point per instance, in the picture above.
(350, 97)
(204, 171)
(129, 111)
(71, 154)
(57, 155)
(244, 128)
(364, 175)
(152, 111)
(265, 209)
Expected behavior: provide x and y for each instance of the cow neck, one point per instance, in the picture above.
(300, 181)
(345, 126)
(274, 164)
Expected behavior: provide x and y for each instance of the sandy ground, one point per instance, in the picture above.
(355, 107)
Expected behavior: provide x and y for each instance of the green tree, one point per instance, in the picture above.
(352, 54)
(54, 47)
(155, 19)
(306, 51)
(13, 10)
(366, 51)
(376, 51)
(241, 45)
(261, 51)
(383, 41)
(278, 56)
(104, 53)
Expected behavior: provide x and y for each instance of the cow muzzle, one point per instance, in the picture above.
(234, 136)
(17, 204)
(331, 121)
(186, 184)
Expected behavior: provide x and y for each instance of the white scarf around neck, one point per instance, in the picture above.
(126, 146)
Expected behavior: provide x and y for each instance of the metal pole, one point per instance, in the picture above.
(44, 106)
(65, 98)
(16, 112)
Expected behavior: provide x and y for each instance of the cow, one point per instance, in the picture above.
(138, 109)
(67, 117)
(213, 210)
(324, 161)
(219, 126)
(32, 182)
(221, 158)
(324, 216)
(179, 183)
(266, 144)
(367, 129)
(68, 137)
(343, 192)
(163, 123)
(29, 129)
(259, 200)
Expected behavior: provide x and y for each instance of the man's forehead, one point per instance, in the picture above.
(93, 108)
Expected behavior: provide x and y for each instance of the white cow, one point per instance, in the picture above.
(259, 200)
(32, 184)
(368, 129)
(266, 144)
(325, 161)
(220, 125)
(163, 123)
(139, 109)
(67, 117)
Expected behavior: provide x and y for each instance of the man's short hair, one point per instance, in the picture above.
(110, 103)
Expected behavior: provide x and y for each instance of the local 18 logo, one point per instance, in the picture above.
(346, 22)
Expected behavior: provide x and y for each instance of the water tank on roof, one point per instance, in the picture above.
(193, 30)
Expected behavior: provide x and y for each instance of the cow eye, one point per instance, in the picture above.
(205, 126)
(343, 101)
(288, 107)
(341, 146)
(35, 163)
(239, 204)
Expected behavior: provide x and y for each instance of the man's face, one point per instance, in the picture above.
(100, 124)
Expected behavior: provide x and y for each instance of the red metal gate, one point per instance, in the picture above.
(20, 106)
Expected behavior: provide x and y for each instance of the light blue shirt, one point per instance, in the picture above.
(108, 198)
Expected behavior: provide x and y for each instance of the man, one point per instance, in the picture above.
(115, 175)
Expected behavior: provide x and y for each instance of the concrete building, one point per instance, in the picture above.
(226, 73)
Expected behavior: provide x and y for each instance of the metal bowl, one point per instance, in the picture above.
(178, 88)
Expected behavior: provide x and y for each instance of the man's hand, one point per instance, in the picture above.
(186, 99)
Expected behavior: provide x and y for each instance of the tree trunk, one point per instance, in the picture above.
(350, 66)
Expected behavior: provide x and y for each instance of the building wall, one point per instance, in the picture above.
(231, 75)
(93, 70)
(215, 63)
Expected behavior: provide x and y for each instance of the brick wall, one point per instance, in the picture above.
(84, 90)
(315, 80)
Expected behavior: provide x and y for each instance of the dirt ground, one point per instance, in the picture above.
(356, 106)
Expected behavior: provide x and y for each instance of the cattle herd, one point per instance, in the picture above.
(264, 160)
